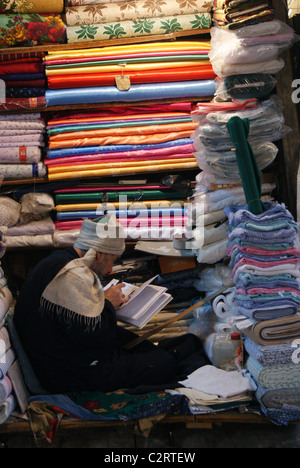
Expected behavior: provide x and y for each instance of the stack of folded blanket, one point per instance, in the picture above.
(130, 73)
(246, 49)
(22, 139)
(92, 20)
(265, 261)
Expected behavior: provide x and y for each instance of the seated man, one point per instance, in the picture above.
(68, 326)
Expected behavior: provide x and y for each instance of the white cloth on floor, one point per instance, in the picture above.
(215, 381)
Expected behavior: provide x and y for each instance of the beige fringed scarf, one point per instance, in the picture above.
(76, 293)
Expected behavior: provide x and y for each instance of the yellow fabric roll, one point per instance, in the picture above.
(136, 48)
(127, 68)
(134, 205)
(84, 167)
(122, 171)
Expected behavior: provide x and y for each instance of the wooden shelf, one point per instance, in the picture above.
(105, 43)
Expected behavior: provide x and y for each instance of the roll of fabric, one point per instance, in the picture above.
(204, 72)
(6, 408)
(286, 376)
(203, 88)
(139, 27)
(32, 6)
(274, 332)
(139, 9)
(23, 30)
(23, 171)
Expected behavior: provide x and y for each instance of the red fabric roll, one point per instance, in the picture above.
(16, 68)
(26, 84)
(204, 72)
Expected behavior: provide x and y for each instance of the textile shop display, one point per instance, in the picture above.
(22, 141)
(114, 20)
(27, 29)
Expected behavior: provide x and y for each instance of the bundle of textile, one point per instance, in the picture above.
(17, 30)
(24, 79)
(121, 141)
(129, 73)
(213, 142)
(22, 139)
(246, 59)
(27, 222)
(99, 20)
(230, 14)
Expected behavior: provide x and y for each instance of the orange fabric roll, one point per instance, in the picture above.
(203, 72)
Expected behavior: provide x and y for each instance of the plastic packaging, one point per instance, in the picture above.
(227, 351)
(250, 86)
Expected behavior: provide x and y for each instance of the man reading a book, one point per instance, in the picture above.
(68, 326)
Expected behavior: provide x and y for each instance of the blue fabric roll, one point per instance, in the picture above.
(64, 97)
(81, 151)
(133, 213)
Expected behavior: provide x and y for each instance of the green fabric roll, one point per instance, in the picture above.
(248, 168)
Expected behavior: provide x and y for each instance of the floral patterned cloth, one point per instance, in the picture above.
(31, 29)
(134, 10)
(142, 27)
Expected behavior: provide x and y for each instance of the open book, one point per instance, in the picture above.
(144, 302)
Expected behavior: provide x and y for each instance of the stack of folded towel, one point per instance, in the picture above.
(265, 260)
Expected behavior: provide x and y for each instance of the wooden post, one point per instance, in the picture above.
(289, 156)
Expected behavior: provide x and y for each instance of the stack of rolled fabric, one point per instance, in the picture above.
(120, 141)
(246, 54)
(131, 73)
(143, 210)
(22, 139)
(24, 80)
(92, 20)
(31, 23)
(265, 261)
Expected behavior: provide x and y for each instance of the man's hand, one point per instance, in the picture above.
(115, 296)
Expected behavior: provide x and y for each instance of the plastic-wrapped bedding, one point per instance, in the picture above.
(97, 95)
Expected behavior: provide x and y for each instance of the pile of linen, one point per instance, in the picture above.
(247, 59)
(27, 222)
(265, 261)
(130, 73)
(22, 140)
(94, 20)
(23, 81)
